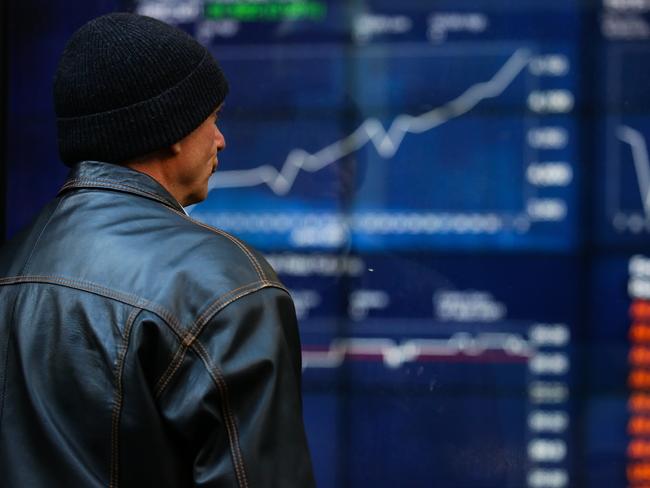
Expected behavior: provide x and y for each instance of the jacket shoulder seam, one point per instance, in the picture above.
(199, 324)
(101, 183)
(89, 287)
(253, 260)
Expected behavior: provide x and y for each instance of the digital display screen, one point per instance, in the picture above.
(452, 365)
(457, 195)
(623, 160)
(414, 128)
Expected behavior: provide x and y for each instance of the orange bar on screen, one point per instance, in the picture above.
(640, 310)
(639, 403)
(639, 379)
(639, 332)
(638, 425)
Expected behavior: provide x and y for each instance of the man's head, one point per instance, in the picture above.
(185, 167)
(128, 87)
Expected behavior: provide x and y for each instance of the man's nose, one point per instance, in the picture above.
(221, 140)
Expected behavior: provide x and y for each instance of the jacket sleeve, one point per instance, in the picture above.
(240, 398)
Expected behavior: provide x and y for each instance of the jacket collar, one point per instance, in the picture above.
(95, 174)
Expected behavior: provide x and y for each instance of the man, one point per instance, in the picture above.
(139, 347)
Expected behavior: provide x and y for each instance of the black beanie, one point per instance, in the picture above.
(127, 85)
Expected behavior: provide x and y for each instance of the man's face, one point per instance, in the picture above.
(197, 160)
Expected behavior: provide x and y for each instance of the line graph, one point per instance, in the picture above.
(418, 146)
(385, 141)
(624, 159)
(461, 346)
(639, 149)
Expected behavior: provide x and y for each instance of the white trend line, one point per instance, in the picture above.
(641, 162)
(394, 354)
(386, 142)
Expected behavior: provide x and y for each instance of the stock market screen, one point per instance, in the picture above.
(457, 194)
(381, 127)
(396, 161)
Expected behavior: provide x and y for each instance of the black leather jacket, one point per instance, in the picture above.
(140, 348)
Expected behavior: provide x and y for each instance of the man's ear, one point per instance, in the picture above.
(175, 148)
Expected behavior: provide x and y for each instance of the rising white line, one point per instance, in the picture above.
(386, 142)
(641, 162)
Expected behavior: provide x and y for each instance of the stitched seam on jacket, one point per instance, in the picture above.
(234, 240)
(128, 298)
(119, 397)
(231, 426)
(100, 183)
(187, 340)
(200, 323)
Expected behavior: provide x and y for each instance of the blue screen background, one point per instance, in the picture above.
(456, 194)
